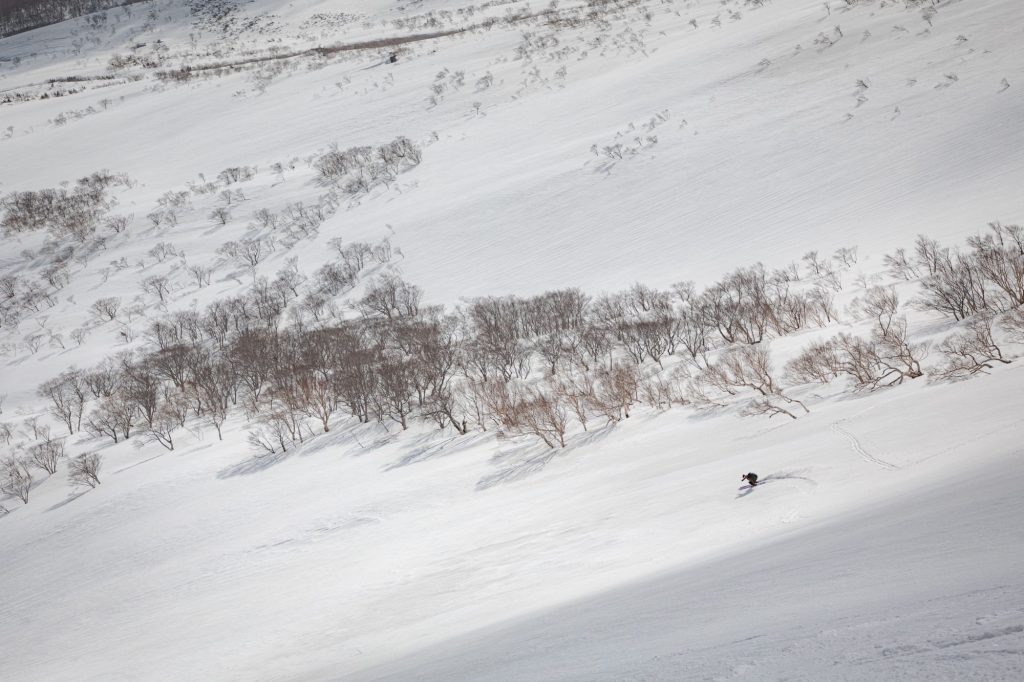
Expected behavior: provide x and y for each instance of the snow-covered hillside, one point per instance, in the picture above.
(230, 181)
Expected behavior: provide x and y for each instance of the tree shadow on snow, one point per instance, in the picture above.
(356, 438)
(353, 439)
(517, 463)
(427, 447)
(254, 464)
(68, 500)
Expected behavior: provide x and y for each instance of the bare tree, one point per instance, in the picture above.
(15, 478)
(577, 390)
(815, 265)
(542, 414)
(106, 309)
(899, 266)
(391, 297)
(970, 352)
(818, 362)
(85, 469)
(845, 256)
(165, 422)
(618, 388)
(1013, 323)
(47, 455)
(221, 215)
(157, 285)
(67, 398)
(749, 367)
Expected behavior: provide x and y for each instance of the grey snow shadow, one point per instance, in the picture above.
(254, 464)
(355, 438)
(426, 447)
(68, 500)
(362, 436)
(518, 463)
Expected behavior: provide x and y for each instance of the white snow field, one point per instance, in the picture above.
(587, 145)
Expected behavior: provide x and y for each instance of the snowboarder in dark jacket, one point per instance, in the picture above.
(750, 478)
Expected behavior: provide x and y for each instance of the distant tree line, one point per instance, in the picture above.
(18, 16)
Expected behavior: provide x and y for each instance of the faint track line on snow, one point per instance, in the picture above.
(859, 449)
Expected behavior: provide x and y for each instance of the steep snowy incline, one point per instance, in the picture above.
(364, 547)
(923, 587)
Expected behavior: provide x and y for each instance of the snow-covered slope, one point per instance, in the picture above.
(579, 144)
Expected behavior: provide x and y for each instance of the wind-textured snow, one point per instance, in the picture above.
(886, 543)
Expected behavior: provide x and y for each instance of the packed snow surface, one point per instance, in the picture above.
(886, 540)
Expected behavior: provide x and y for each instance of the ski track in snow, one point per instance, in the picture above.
(856, 446)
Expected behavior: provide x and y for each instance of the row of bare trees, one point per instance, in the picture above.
(532, 365)
(16, 479)
(357, 170)
(402, 360)
(986, 278)
(73, 214)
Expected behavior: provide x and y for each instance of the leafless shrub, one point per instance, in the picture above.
(47, 454)
(821, 304)
(157, 285)
(818, 362)
(578, 391)
(359, 169)
(1013, 323)
(246, 252)
(897, 357)
(266, 219)
(663, 390)
(354, 255)
(391, 297)
(15, 478)
(106, 309)
(524, 410)
(114, 417)
(67, 396)
(220, 215)
(618, 389)
(165, 422)
(33, 342)
(201, 274)
(955, 286)
(85, 469)
(65, 214)
(845, 256)
(382, 252)
(970, 352)
(748, 367)
(118, 223)
(899, 266)
(881, 305)
(237, 174)
(162, 251)
(999, 257)
(815, 264)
